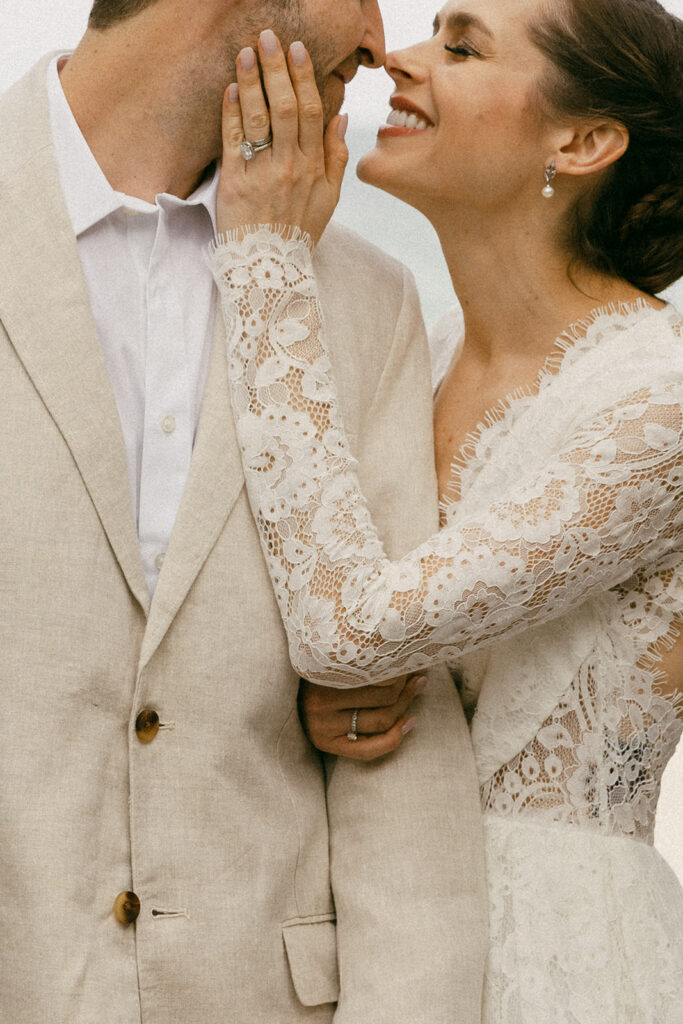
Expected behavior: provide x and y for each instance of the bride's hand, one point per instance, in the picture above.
(378, 712)
(297, 181)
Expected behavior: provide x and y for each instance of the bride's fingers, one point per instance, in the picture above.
(284, 109)
(309, 102)
(369, 748)
(233, 131)
(370, 721)
(255, 116)
(336, 151)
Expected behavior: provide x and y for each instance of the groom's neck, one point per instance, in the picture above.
(148, 109)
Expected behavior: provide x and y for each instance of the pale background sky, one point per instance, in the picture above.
(30, 28)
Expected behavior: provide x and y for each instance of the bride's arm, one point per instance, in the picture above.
(610, 501)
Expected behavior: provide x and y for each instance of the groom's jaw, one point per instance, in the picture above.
(333, 86)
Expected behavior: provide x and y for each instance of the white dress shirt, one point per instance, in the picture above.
(153, 300)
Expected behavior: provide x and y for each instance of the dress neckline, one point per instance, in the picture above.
(579, 337)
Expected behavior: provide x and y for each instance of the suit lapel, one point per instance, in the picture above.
(45, 310)
(213, 486)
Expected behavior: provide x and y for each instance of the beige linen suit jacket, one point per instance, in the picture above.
(269, 891)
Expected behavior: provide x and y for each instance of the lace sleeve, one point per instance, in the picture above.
(610, 501)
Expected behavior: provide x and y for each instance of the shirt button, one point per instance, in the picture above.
(159, 561)
(168, 424)
(147, 725)
(126, 907)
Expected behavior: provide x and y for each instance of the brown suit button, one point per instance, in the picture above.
(126, 907)
(147, 725)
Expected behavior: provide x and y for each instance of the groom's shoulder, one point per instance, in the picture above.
(24, 118)
(353, 263)
(32, 83)
(369, 299)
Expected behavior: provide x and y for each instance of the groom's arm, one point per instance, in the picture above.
(405, 832)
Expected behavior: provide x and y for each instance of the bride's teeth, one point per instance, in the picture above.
(402, 119)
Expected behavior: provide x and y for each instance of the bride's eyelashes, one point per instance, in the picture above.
(463, 49)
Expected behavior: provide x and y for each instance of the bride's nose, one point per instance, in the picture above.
(405, 65)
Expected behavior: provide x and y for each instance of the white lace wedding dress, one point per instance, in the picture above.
(553, 587)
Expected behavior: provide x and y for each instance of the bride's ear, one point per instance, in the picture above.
(592, 148)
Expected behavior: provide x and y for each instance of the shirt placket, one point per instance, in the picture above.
(168, 417)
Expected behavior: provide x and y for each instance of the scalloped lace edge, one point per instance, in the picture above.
(567, 347)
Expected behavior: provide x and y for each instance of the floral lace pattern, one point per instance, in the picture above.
(554, 584)
(609, 501)
(598, 759)
(584, 930)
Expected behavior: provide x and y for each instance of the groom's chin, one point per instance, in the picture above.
(332, 95)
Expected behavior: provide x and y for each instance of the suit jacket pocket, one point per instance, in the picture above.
(311, 944)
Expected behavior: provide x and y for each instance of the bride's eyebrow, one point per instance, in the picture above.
(457, 22)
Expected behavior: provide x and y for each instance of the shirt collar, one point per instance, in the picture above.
(89, 196)
(204, 195)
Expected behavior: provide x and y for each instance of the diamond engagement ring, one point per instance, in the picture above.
(250, 149)
(352, 734)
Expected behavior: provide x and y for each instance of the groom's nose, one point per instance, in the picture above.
(372, 46)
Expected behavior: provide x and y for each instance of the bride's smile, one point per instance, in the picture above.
(406, 117)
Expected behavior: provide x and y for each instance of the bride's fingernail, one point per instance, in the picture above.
(298, 52)
(343, 125)
(247, 58)
(233, 92)
(409, 726)
(269, 42)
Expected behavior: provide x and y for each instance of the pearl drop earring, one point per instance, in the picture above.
(550, 175)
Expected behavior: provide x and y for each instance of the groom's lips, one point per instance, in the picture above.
(346, 75)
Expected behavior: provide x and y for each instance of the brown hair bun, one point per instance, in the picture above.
(622, 60)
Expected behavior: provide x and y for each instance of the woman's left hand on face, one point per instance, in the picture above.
(296, 182)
